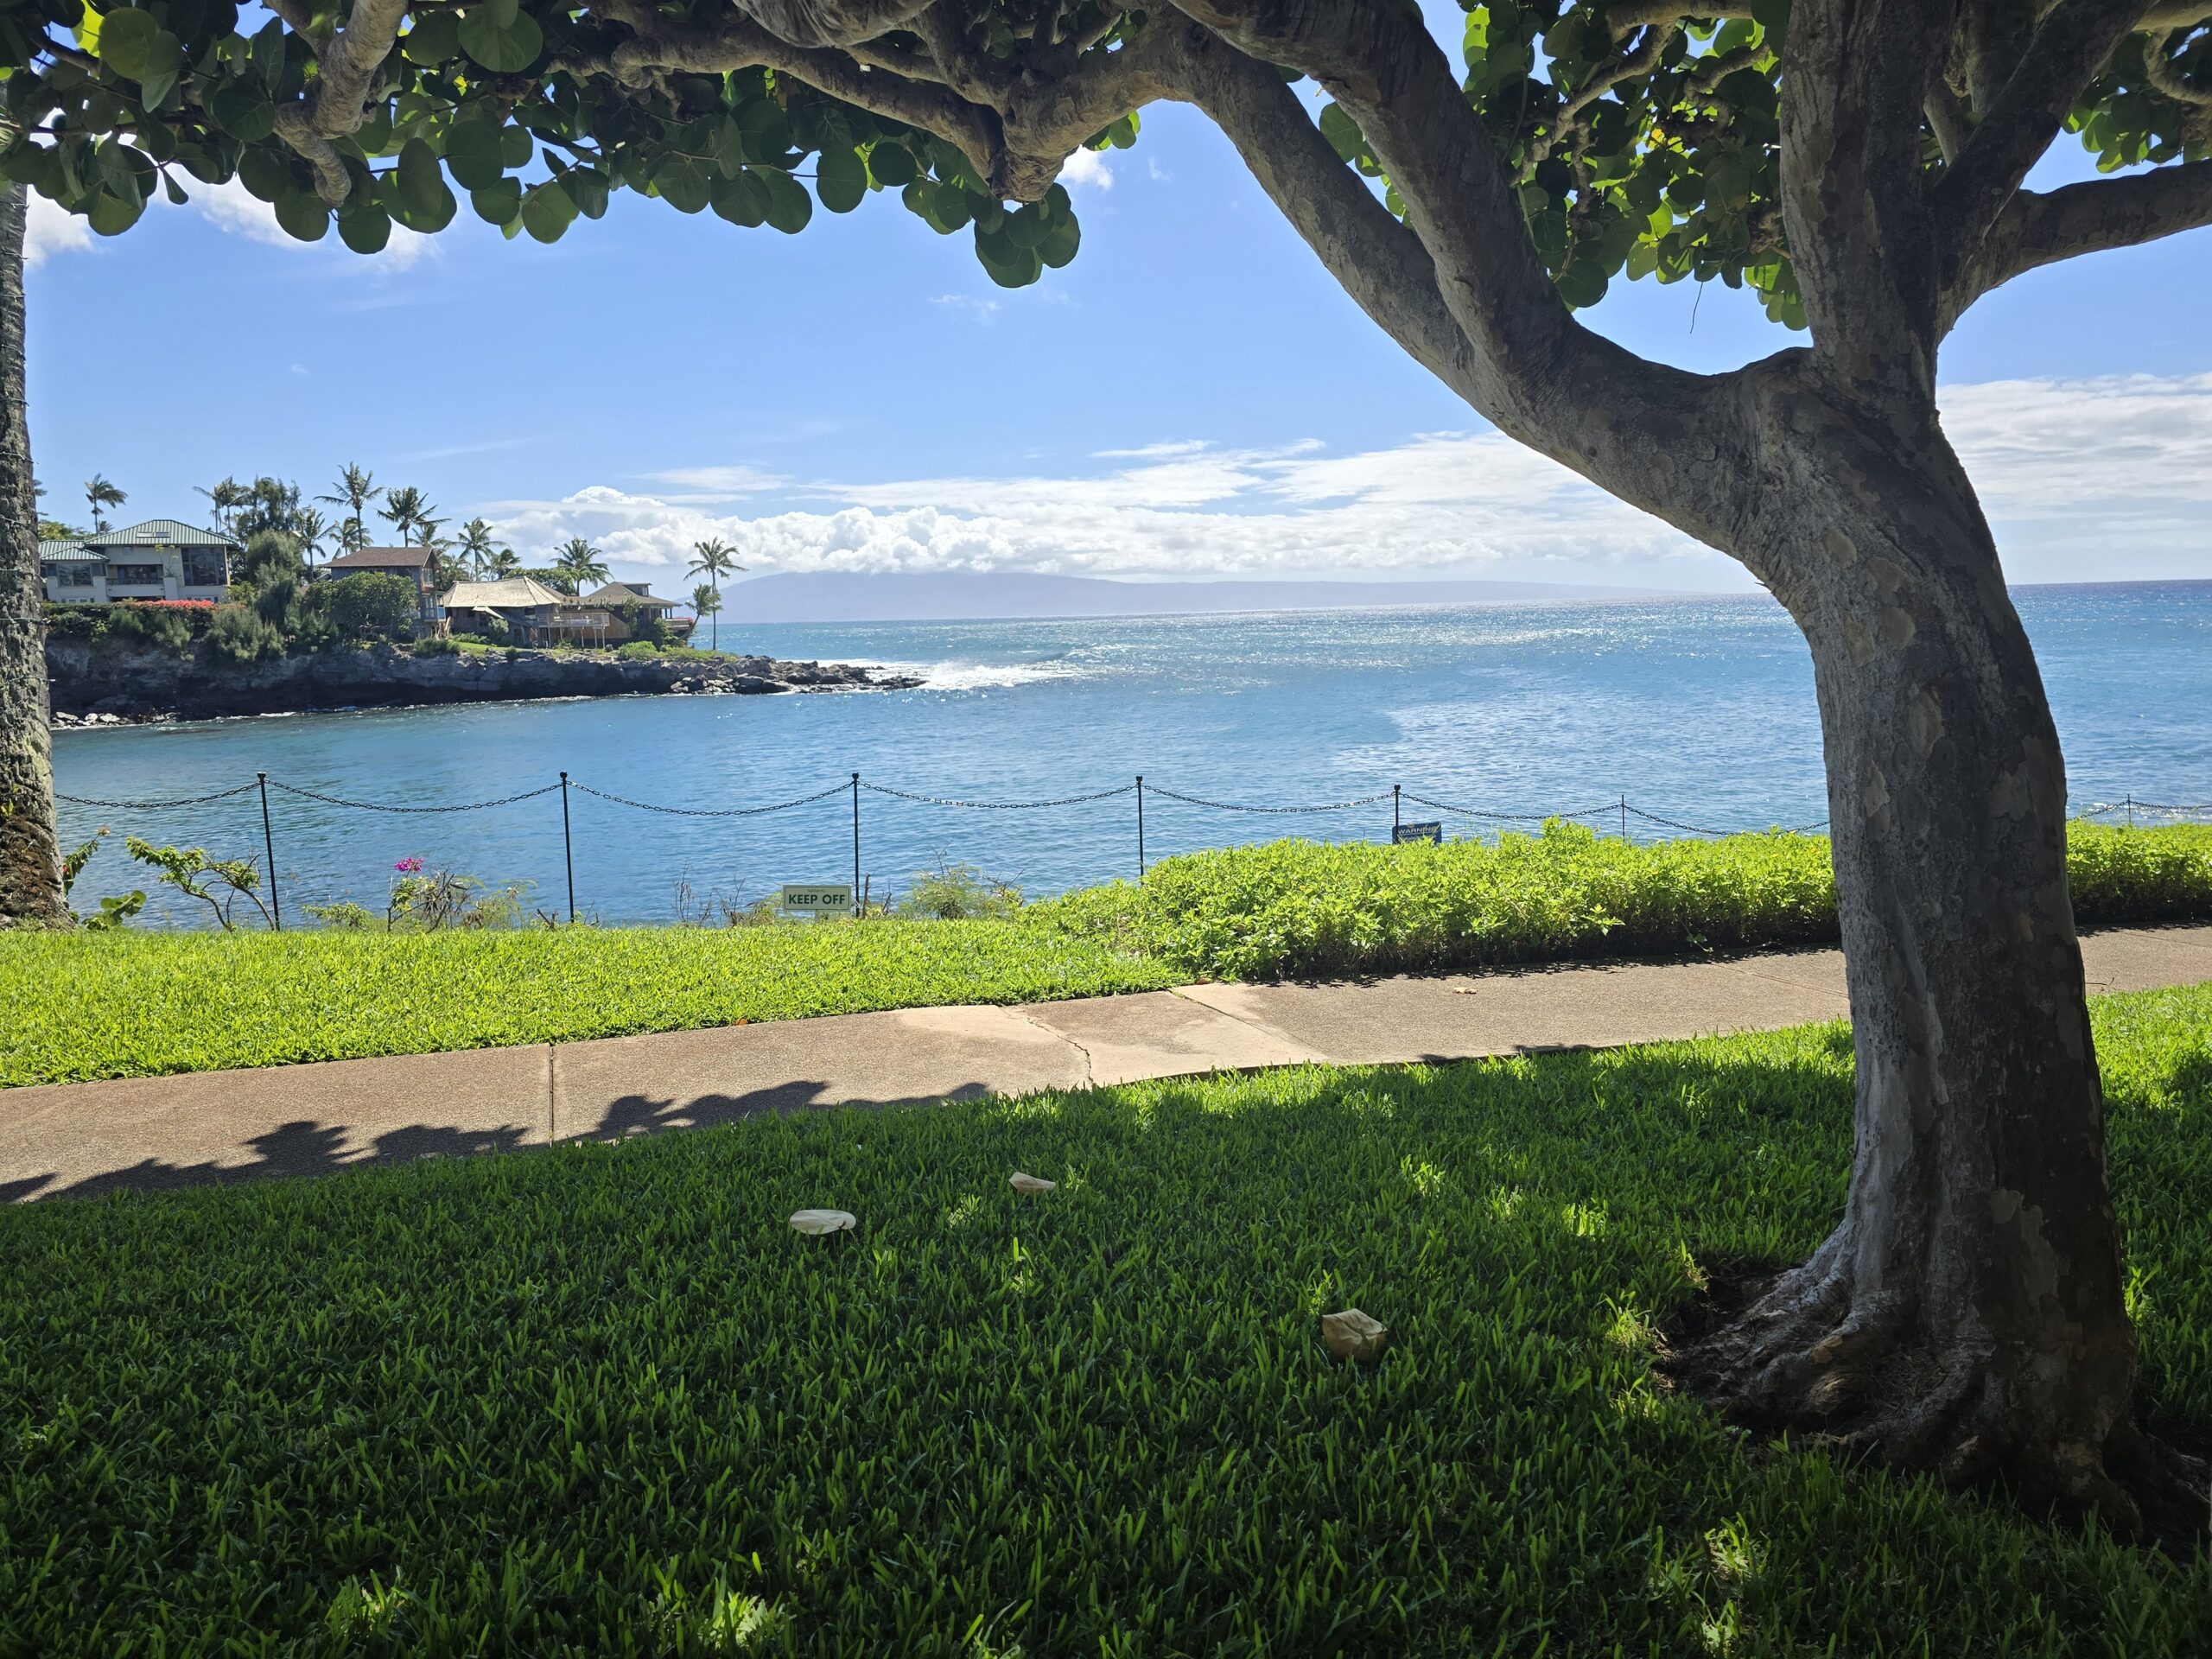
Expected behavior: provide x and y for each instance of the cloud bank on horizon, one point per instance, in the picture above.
(2072, 472)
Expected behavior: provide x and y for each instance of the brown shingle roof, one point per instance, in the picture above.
(382, 558)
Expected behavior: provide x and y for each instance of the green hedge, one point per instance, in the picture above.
(1307, 909)
(577, 1402)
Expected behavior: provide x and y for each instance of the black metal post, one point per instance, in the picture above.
(1624, 818)
(1140, 827)
(2131, 811)
(856, 844)
(1394, 813)
(568, 849)
(268, 846)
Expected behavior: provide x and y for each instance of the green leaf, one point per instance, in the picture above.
(841, 180)
(727, 146)
(302, 214)
(265, 174)
(365, 229)
(499, 202)
(742, 200)
(588, 188)
(1343, 133)
(415, 192)
(547, 211)
(474, 155)
(504, 50)
(766, 132)
(432, 38)
(892, 163)
(1018, 271)
(174, 191)
(1060, 243)
(516, 148)
(789, 206)
(686, 182)
(126, 40)
(502, 12)
(243, 109)
(110, 215)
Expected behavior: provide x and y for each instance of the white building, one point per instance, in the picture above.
(158, 559)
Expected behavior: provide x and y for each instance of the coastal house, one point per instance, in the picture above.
(620, 601)
(533, 614)
(412, 565)
(159, 559)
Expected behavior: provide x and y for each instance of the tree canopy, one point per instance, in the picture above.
(1640, 140)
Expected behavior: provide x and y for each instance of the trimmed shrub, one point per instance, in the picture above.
(1304, 909)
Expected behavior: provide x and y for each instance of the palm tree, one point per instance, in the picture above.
(505, 562)
(581, 562)
(707, 602)
(313, 531)
(100, 495)
(228, 496)
(355, 489)
(714, 560)
(475, 546)
(407, 511)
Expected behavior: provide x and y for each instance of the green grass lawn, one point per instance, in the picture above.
(142, 1003)
(583, 1400)
(138, 1004)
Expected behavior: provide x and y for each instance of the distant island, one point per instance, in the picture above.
(846, 596)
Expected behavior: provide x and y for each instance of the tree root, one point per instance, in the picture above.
(1795, 1351)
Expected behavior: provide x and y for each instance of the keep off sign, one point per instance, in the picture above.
(1418, 832)
(816, 897)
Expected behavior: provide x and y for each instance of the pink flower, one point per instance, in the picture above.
(409, 866)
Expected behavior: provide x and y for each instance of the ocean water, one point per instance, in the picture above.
(1699, 710)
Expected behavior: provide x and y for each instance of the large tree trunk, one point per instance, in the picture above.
(30, 867)
(1966, 1315)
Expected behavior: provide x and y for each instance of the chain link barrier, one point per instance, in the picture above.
(1000, 806)
(1236, 806)
(382, 806)
(156, 806)
(1607, 811)
(709, 811)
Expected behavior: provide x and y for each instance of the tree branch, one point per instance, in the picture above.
(1641, 59)
(2159, 69)
(2041, 228)
(1653, 436)
(334, 105)
(1856, 73)
(1947, 119)
(831, 22)
(2069, 46)
(738, 42)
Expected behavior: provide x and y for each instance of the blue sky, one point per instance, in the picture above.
(1192, 396)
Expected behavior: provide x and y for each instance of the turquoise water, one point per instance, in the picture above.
(1699, 710)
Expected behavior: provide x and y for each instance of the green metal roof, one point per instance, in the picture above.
(68, 552)
(154, 531)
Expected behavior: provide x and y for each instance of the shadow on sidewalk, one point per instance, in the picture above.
(302, 1147)
(643, 1114)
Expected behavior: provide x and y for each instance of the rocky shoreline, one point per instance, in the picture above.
(105, 683)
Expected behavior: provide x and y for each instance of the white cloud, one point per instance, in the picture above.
(980, 307)
(50, 229)
(2076, 474)
(231, 206)
(1087, 170)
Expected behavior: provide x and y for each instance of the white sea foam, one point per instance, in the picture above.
(980, 676)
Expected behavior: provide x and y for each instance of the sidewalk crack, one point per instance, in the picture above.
(1082, 1052)
(552, 1092)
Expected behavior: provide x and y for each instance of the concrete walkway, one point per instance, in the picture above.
(215, 1126)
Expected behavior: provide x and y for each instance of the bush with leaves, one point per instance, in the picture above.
(116, 909)
(237, 634)
(956, 892)
(218, 883)
(367, 606)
